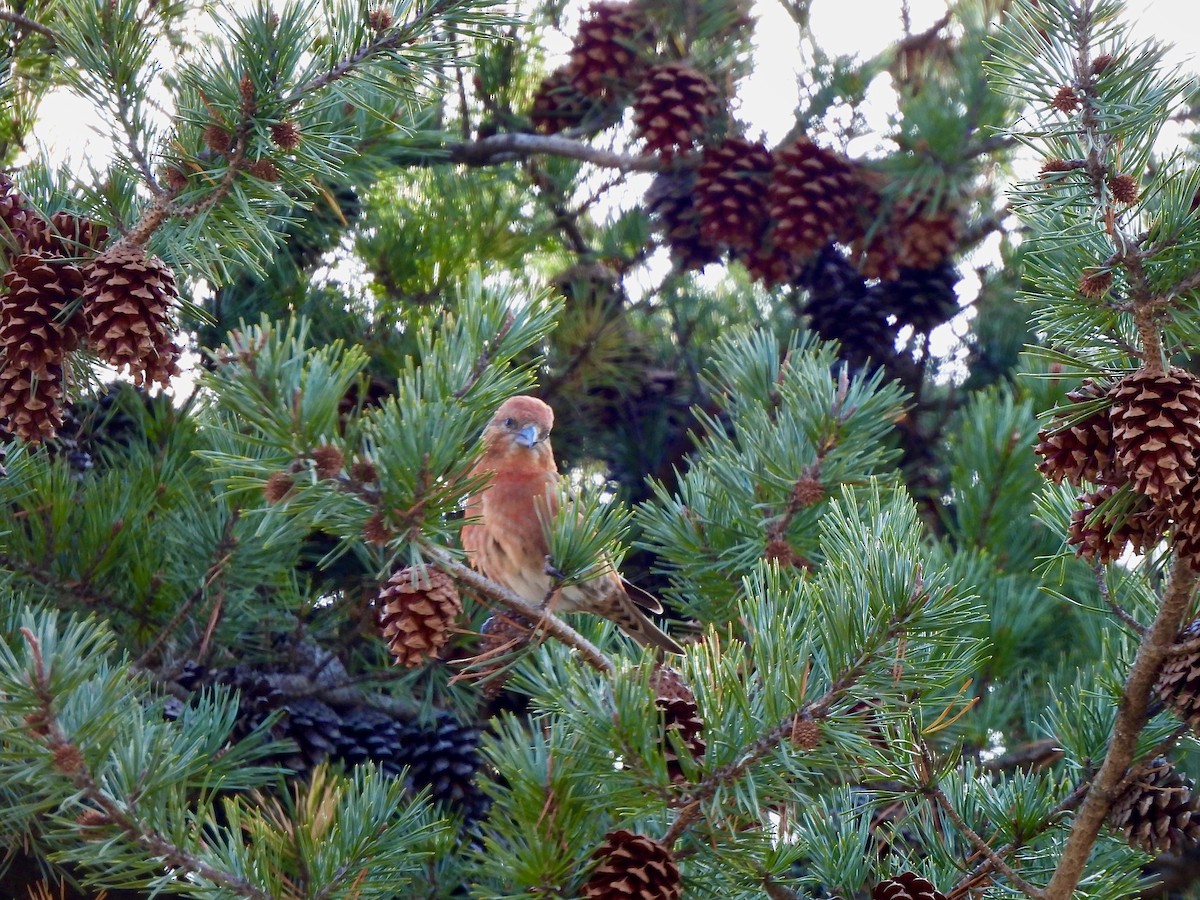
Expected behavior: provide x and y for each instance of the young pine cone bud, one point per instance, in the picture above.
(1124, 188)
(286, 134)
(1065, 100)
(1094, 283)
(217, 139)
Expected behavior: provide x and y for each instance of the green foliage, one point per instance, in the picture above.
(891, 655)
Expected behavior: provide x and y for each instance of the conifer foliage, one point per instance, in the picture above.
(937, 606)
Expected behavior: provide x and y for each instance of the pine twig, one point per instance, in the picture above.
(28, 24)
(223, 553)
(499, 148)
(546, 621)
(1132, 713)
(981, 845)
(1098, 569)
(123, 815)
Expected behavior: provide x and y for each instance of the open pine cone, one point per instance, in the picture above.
(1178, 683)
(1158, 813)
(813, 198)
(731, 187)
(129, 300)
(1156, 430)
(606, 59)
(633, 867)
(1081, 450)
(673, 107)
(906, 886)
(416, 612)
(677, 704)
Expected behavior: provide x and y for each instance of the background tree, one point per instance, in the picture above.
(241, 654)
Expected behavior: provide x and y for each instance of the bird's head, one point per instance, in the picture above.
(520, 422)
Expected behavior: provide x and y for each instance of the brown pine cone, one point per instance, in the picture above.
(606, 59)
(559, 105)
(1178, 683)
(731, 189)
(633, 867)
(906, 886)
(1156, 430)
(129, 300)
(673, 106)
(1080, 450)
(1157, 813)
(812, 199)
(417, 611)
(677, 704)
(1103, 536)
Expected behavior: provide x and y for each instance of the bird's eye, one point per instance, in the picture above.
(509, 422)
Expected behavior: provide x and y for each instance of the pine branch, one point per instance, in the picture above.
(498, 148)
(544, 620)
(224, 554)
(70, 761)
(981, 845)
(28, 24)
(1132, 714)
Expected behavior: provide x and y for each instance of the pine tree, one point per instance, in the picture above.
(937, 600)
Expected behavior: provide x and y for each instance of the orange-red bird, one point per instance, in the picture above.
(506, 541)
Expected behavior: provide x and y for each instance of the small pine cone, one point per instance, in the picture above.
(1054, 166)
(677, 704)
(606, 58)
(673, 106)
(806, 733)
(1066, 100)
(633, 867)
(1094, 283)
(1178, 683)
(1157, 813)
(264, 170)
(922, 298)
(1156, 430)
(671, 202)
(327, 461)
(286, 134)
(1124, 188)
(376, 530)
(31, 402)
(128, 299)
(1101, 63)
(278, 487)
(416, 614)
(443, 756)
(1082, 451)
(812, 198)
(906, 886)
(175, 178)
(35, 328)
(379, 19)
(731, 187)
(808, 489)
(559, 104)
(217, 138)
(1103, 537)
